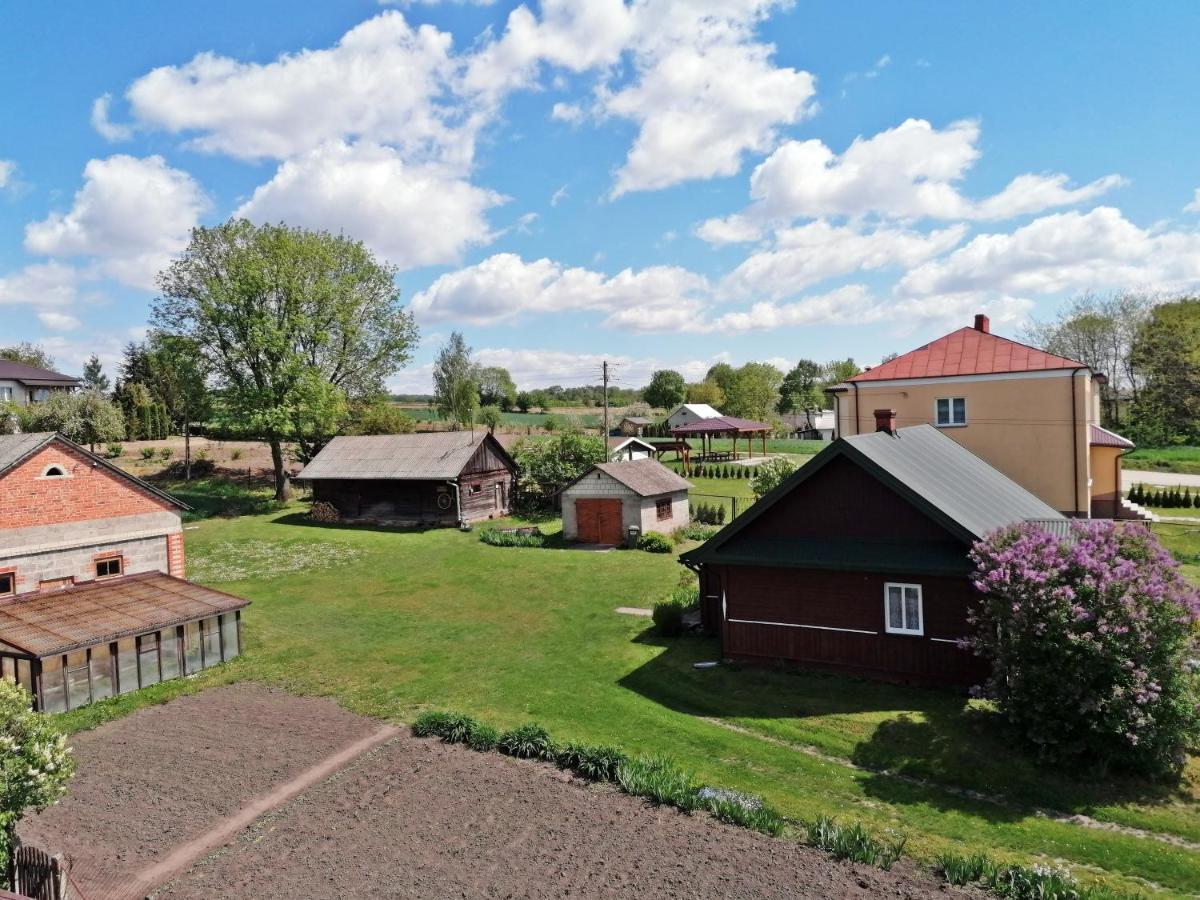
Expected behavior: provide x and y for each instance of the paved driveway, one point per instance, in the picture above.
(1166, 479)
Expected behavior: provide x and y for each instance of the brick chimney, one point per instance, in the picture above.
(885, 420)
(982, 323)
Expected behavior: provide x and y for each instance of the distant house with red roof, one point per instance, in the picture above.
(1031, 414)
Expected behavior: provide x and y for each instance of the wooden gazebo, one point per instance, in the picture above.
(722, 427)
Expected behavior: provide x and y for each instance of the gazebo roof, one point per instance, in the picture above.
(722, 425)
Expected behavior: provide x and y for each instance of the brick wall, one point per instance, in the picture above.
(175, 556)
(89, 491)
(79, 563)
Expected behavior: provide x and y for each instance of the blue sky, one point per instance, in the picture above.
(659, 183)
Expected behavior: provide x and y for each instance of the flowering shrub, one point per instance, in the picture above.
(1091, 640)
(35, 762)
(769, 475)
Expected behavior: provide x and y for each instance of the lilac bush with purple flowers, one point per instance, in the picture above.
(1092, 641)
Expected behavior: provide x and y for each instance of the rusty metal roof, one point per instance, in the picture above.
(722, 425)
(645, 477)
(51, 622)
(419, 457)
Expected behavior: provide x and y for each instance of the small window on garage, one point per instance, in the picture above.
(663, 508)
(8, 583)
(902, 608)
(54, 472)
(108, 567)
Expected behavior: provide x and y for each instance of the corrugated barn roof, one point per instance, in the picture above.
(418, 457)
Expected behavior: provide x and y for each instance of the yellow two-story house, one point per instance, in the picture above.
(1033, 415)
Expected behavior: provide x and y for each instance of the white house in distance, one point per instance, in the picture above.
(22, 384)
(687, 413)
(602, 504)
(629, 449)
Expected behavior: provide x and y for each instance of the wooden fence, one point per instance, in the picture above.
(38, 875)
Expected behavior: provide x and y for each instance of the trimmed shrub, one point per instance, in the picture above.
(655, 542)
(114, 451)
(694, 531)
(741, 809)
(1090, 640)
(853, 842)
(769, 475)
(668, 618)
(595, 763)
(147, 453)
(483, 738)
(658, 780)
(430, 724)
(1014, 882)
(528, 741)
(504, 538)
(165, 454)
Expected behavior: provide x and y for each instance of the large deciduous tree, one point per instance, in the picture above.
(496, 387)
(707, 391)
(754, 393)
(455, 390)
(801, 390)
(1100, 331)
(667, 389)
(1166, 357)
(292, 322)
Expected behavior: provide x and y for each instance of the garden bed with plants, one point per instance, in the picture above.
(422, 818)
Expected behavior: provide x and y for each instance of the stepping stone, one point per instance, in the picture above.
(635, 611)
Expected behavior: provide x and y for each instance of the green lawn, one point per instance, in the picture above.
(392, 623)
(1164, 459)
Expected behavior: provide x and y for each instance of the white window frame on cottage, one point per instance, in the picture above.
(6, 394)
(951, 420)
(905, 626)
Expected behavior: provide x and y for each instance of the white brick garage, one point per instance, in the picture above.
(602, 505)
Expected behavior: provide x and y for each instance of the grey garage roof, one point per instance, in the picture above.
(645, 477)
(15, 447)
(414, 457)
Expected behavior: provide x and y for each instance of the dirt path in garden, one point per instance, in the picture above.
(404, 817)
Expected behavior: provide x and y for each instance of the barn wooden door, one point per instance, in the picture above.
(599, 521)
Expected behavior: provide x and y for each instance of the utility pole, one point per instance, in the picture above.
(604, 369)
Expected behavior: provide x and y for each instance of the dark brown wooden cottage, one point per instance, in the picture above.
(858, 562)
(428, 479)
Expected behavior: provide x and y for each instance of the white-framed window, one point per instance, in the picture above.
(55, 471)
(950, 411)
(902, 612)
(6, 394)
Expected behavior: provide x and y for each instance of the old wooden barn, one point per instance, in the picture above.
(443, 478)
(858, 562)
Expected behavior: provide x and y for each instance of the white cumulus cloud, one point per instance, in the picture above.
(912, 171)
(412, 215)
(130, 217)
(8, 169)
(57, 321)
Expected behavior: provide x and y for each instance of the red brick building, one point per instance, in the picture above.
(93, 599)
(858, 562)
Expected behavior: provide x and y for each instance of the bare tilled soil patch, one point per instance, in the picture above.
(151, 781)
(417, 818)
(398, 817)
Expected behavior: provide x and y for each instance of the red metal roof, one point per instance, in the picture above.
(722, 425)
(1102, 437)
(967, 351)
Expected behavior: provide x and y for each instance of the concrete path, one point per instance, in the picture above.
(635, 611)
(1166, 479)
